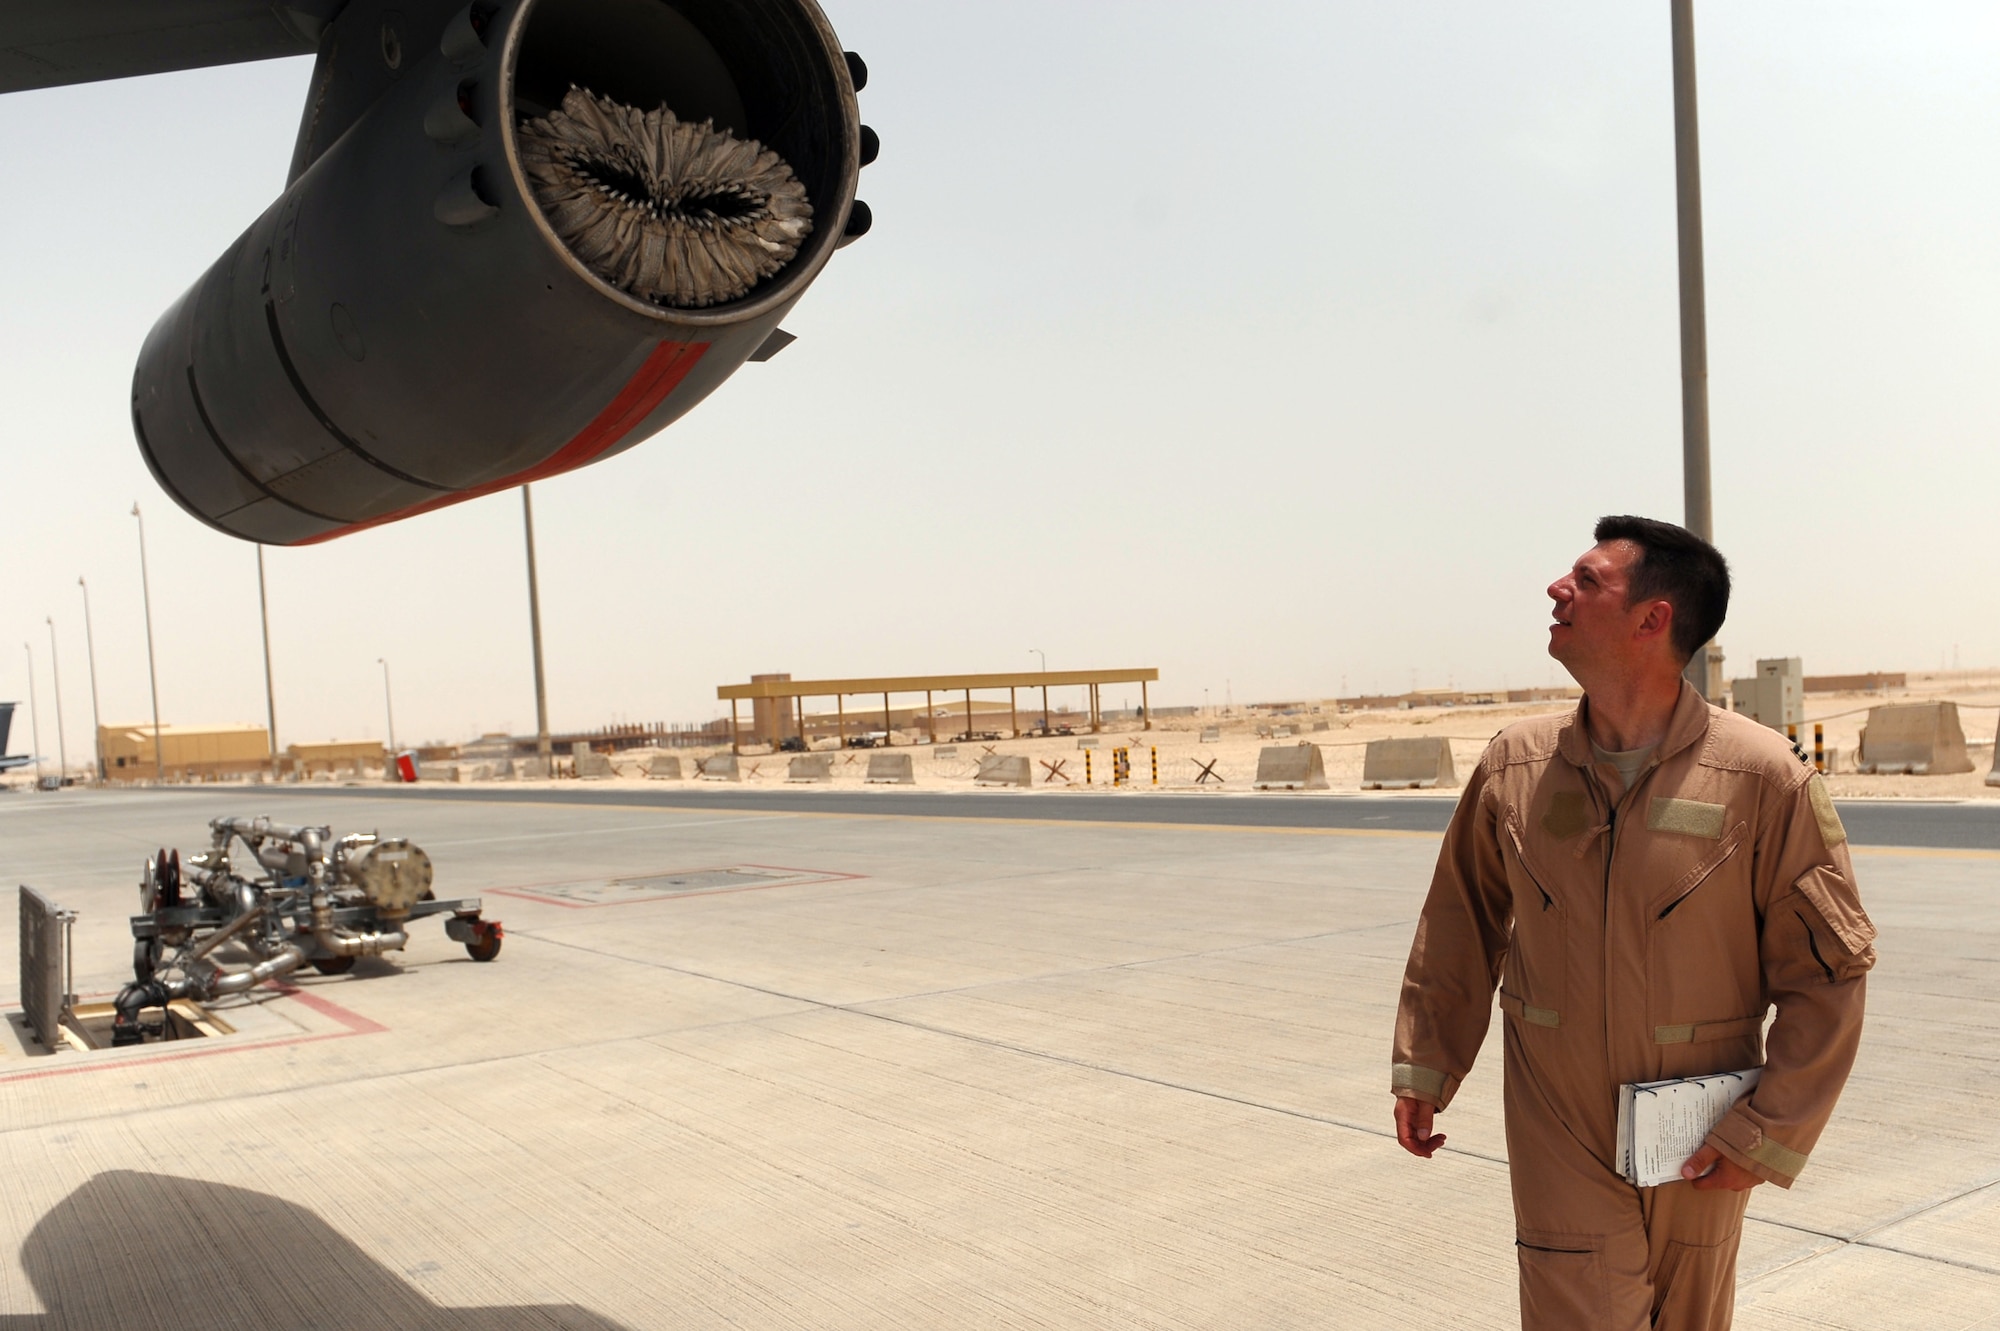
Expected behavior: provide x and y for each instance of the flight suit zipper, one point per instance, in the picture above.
(1605, 925)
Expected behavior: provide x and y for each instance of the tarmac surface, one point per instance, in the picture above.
(1943, 825)
(820, 1059)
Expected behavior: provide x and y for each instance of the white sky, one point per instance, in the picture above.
(1287, 347)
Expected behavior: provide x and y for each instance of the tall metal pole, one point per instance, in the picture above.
(152, 674)
(1045, 688)
(270, 695)
(542, 745)
(1699, 513)
(90, 650)
(388, 703)
(34, 714)
(55, 671)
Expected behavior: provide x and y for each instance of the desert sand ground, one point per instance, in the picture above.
(1183, 754)
(1073, 763)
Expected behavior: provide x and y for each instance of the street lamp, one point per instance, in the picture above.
(34, 714)
(389, 703)
(1704, 668)
(152, 674)
(55, 669)
(542, 745)
(1045, 690)
(90, 650)
(270, 696)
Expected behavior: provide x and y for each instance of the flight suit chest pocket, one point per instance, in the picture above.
(1536, 978)
(1684, 892)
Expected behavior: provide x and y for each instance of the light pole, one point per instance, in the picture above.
(34, 715)
(270, 697)
(1045, 690)
(542, 745)
(1698, 515)
(389, 703)
(152, 673)
(55, 670)
(90, 650)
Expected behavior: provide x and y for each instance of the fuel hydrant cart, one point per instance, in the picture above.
(298, 897)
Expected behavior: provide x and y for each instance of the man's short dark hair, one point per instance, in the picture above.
(1677, 567)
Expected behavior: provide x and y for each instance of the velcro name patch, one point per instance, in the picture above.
(1687, 817)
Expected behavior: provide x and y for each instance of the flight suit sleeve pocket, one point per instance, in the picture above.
(1847, 926)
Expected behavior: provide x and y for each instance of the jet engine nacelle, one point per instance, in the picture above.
(405, 328)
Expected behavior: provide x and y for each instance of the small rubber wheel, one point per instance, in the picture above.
(333, 965)
(485, 947)
(145, 958)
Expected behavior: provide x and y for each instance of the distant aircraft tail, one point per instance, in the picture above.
(6, 724)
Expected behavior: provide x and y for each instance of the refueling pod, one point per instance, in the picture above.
(518, 237)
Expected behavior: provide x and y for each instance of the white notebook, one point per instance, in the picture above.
(1662, 1123)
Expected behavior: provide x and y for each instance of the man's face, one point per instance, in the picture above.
(1593, 627)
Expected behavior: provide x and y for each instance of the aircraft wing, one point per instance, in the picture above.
(48, 43)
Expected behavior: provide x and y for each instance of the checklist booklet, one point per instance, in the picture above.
(1662, 1123)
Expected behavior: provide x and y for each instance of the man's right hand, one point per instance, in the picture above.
(1413, 1127)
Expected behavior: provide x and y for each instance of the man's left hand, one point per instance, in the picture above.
(1709, 1169)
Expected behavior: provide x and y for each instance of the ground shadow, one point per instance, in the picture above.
(136, 1251)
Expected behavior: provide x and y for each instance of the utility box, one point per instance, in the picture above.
(1776, 695)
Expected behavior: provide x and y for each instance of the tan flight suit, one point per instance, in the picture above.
(1635, 940)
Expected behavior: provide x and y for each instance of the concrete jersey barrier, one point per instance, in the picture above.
(891, 769)
(719, 767)
(1005, 769)
(810, 767)
(664, 768)
(1408, 764)
(589, 765)
(1921, 738)
(1993, 777)
(1290, 767)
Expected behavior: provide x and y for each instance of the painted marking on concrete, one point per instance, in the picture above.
(1923, 852)
(351, 1023)
(636, 889)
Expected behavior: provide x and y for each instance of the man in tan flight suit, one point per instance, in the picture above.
(1643, 878)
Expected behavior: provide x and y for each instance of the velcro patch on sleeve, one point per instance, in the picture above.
(1777, 1157)
(1568, 814)
(1830, 829)
(1688, 817)
(1427, 1082)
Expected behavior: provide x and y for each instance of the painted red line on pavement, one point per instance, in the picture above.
(354, 1021)
(648, 387)
(214, 1047)
(121, 1064)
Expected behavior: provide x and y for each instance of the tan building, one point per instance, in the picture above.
(187, 753)
(336, 755)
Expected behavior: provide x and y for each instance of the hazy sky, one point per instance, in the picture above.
(1285, 347)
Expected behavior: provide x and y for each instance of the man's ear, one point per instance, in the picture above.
(1659, 620)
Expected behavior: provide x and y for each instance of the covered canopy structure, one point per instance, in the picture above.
(781, 696)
